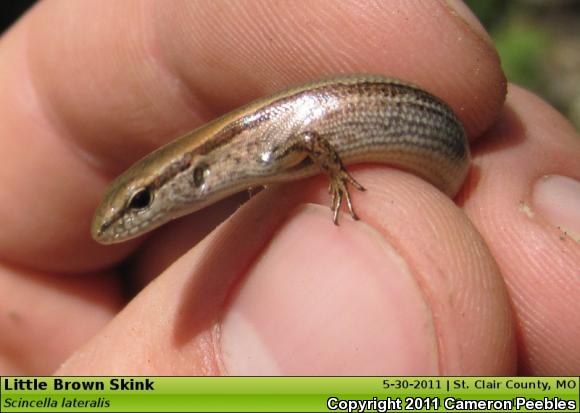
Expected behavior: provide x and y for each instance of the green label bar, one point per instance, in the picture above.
(290, 394)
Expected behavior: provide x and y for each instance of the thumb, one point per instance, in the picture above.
(410, 289)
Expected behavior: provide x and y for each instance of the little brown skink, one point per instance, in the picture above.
(317, 127)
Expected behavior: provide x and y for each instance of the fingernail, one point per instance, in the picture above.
(327, 300)
(459, 8)
(557, 199)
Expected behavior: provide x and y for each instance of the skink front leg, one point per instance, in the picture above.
(321, 152)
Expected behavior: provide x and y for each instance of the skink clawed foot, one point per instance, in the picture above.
(316, 147)
(339, 189)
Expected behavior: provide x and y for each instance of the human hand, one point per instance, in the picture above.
(417, 287)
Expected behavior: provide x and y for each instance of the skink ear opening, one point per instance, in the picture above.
(200, 173)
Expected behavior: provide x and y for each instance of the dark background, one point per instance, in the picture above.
(11, 10)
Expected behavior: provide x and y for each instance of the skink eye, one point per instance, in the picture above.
(140, 199)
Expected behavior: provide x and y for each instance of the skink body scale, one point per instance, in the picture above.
(318, 127)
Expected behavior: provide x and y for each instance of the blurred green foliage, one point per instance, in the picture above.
(519, 41)
(488, 11)
(538, 42)
(521, 47)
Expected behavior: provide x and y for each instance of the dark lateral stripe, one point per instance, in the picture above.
(230, 131)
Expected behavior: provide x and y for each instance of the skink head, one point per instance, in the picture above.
(164, 185)
(124, 209)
